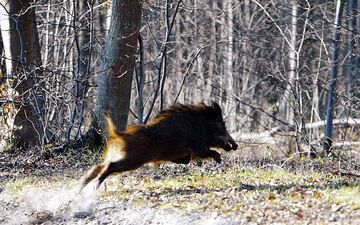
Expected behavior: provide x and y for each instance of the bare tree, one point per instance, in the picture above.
(23, 61)
(84, 49)
(351, 67)
(333, 76)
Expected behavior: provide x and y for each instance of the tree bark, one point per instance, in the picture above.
(118, 61)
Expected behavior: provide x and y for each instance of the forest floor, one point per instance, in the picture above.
(42, 190)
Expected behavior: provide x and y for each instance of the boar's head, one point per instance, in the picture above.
(217, 134)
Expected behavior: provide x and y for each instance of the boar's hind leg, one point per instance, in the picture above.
(91, 174)
(119, 166)
(183, 160)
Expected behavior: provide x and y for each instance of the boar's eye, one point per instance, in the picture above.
(218, 127)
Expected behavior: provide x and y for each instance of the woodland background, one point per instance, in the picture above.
(269, 64)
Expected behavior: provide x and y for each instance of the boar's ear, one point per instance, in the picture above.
(216, 109)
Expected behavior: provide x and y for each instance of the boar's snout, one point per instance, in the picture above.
(234, 145)
(229, 144)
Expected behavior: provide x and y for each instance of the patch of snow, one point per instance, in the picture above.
(66, 206)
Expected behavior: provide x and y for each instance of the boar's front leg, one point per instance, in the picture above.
(213, 154)
(206, 152)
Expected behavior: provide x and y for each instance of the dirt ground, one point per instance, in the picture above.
(34, 190)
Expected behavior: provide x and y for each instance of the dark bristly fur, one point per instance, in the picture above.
(177, 134)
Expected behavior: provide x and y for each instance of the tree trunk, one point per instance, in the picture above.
(351, 68)
(212, 58)
(333, 74)
(118, 61)
(229, 80)
(288, 101)
(140, 80)
(84, 48)
(22, 51)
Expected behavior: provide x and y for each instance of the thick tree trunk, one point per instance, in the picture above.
(22, 51)
(118, 61)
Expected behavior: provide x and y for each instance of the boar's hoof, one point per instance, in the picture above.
(234, 146)
(217, 157)
(228, 146)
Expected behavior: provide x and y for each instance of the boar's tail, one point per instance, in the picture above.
(110, 129)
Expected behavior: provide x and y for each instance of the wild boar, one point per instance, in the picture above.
(177, 134)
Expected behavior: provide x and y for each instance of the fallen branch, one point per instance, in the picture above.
(268, 136)
(346, 122)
